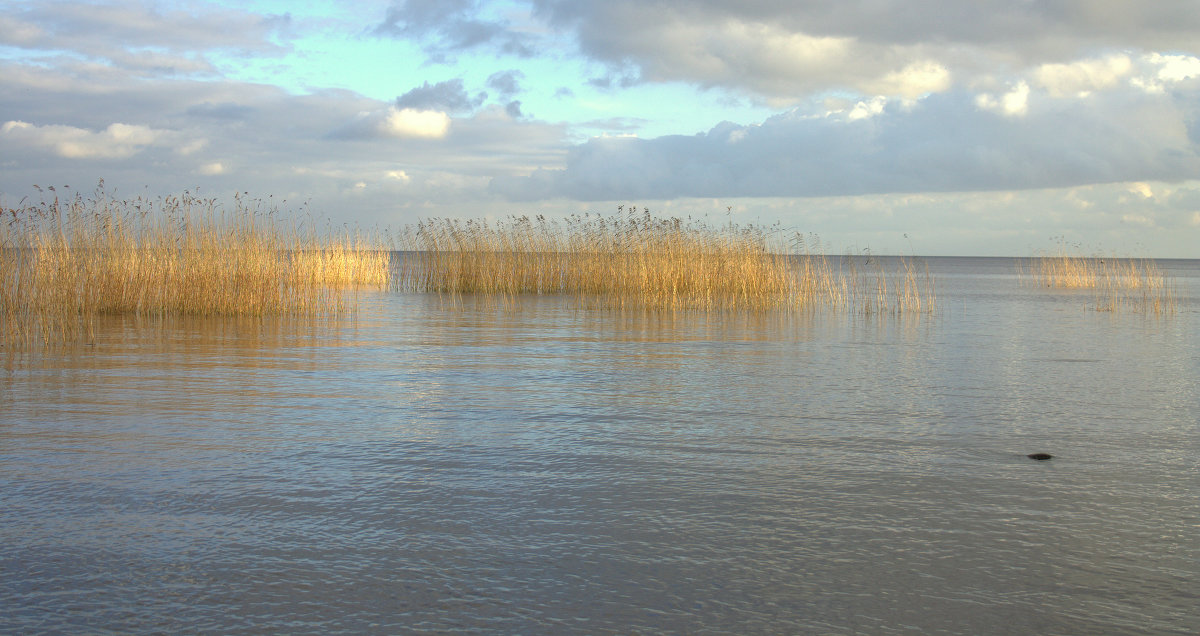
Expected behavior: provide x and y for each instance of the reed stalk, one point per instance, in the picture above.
(64, 263)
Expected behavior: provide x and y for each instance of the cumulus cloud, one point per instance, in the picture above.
(396, 123)
(410, 122)
(912, 81)
(117, 141)
(1014, 103)
(1081, 77)
(1160, 72)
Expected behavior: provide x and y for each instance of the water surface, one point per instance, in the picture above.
(535, 467)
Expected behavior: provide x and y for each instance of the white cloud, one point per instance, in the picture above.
(396, 123)
(913, 81)
(1080, 78)
(869, 108)
(117, 141)
(1166, 70)
(1142, 188)
(1014, 103)
(408, 122)
(212, 169)
(1176, 68)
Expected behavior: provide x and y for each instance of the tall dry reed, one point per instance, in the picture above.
(1139, 285)
(634, 259)
(65, 262)
(894, 285)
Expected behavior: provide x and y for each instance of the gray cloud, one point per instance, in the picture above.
(1049, 26)
(943, 143)
(226, 111)
(448, 96)
(506, 83)
(784, 50)
(450, 26)
(139, 37)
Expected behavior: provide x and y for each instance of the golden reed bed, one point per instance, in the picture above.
(637, 260)
(63, 263)
(1117, 284)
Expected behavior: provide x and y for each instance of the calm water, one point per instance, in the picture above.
(430, 467)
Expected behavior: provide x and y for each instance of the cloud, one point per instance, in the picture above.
(224, 110)
(1014, 103)
(212, 169)
(448, 27)
(448, 96)
(977, 117)
(1082, 77)
(391, 122)
(1160, 72)
(117, 141)
(942, 143)
(142, 37)
(912, 81)
(409, 122)
(506, 83)
(266, 139)
(1176, 68)
(784, 51)
(20, 33)
(765, 53)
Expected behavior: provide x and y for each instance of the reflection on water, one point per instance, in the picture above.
(441, 465)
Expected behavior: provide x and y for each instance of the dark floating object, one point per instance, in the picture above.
(1041, 457)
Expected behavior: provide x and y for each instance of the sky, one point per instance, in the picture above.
(934, 127)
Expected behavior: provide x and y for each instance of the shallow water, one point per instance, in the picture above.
(435, 466)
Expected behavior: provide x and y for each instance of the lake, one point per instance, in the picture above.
(457, 465)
